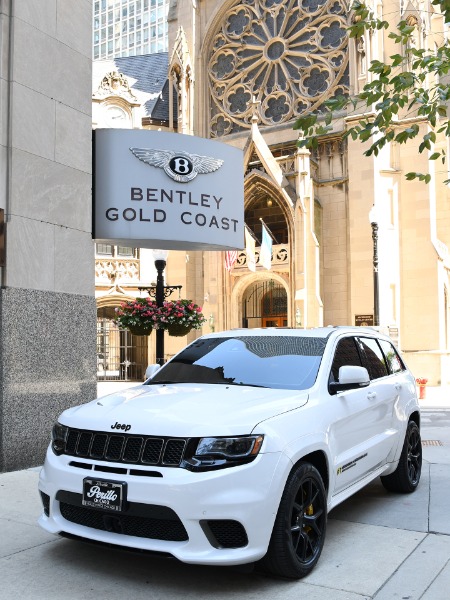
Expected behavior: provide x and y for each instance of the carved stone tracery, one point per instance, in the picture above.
(115, 84)
(285, 56)
(112, 269)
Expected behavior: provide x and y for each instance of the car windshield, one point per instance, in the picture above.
(285, 362)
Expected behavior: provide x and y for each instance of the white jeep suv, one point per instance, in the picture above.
(237, 448)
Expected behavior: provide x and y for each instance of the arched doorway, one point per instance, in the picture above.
(121, 356)
(265, 305)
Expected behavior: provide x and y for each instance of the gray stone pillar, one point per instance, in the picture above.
(47, 304)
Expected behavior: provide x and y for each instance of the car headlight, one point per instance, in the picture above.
(230, 447)
(59, 437)
(222, 452)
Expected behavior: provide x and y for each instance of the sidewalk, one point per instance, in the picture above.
(436, 397)
(379, 546)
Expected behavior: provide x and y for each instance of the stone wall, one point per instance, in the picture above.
(47, 307)
(46, 356)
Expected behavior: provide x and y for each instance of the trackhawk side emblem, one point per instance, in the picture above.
(349, 465)
(180, 166)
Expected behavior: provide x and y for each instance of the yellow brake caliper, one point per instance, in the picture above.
(309, 512)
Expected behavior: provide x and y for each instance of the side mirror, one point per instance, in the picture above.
(151, 370)
(350, 378)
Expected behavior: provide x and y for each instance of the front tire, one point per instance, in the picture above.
(406, 476)
(299, 531)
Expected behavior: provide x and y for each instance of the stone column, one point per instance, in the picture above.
(47, 305)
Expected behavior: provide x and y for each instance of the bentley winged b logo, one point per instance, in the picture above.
(180, 165)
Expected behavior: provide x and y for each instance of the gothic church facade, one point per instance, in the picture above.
(243, 71)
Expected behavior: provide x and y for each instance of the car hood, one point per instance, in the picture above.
(185, 410)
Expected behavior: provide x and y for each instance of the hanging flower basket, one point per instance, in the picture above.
(142, 315)
(139, 316)
(178, 330)
(179, 317)
(139, 329)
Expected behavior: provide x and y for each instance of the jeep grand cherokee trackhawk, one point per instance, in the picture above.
(237, 448)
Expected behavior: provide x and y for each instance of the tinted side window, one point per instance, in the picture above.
(374, 358)
(394, 362)
(346, 354)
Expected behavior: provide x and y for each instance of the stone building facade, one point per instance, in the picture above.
(241, 72)
(246, 70)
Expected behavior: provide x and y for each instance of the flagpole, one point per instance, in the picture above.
(251, 233)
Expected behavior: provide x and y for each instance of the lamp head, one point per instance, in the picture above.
(373, 215)
(160, 255)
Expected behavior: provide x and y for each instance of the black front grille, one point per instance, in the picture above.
(223, 533)
(154, 522)
(125, 448)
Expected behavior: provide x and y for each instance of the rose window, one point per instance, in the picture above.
(278, 57)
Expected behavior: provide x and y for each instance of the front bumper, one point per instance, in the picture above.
(248, 495)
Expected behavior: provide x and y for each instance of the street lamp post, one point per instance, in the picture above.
(159, 293)
(376, 293)
(160, 264)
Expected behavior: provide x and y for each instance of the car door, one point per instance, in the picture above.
(359, 431)
(385, 388)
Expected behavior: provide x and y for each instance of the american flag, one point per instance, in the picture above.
(230, 259)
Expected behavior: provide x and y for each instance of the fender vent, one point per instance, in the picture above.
(224, 533)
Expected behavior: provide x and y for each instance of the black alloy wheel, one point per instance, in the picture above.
(406, 477)
(414, 456)
(299, 531)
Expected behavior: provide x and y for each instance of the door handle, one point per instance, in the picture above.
(398, 386)
(371, 395)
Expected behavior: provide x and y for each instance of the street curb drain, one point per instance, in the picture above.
(432, 443)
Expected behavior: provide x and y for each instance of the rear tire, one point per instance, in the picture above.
(406, 476)
(299, 531)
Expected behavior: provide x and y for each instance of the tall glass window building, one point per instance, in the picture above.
(129, 27)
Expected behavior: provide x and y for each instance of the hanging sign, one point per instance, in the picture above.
(154, 189)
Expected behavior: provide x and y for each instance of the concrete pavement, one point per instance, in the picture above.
(379, 546)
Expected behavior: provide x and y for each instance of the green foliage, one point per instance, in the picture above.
(409, 84)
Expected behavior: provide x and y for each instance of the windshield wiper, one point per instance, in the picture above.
(166, 382)
(242, 384)
(172, 382)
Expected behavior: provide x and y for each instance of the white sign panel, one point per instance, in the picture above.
(166, 190)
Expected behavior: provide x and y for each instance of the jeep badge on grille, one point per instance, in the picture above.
(120, 426)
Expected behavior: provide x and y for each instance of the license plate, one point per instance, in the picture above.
(104, 495)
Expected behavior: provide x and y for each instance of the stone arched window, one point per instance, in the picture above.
(181, 79)
(285, 56)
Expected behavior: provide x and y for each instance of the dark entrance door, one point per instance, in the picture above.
(265, 305)
(274, 321)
